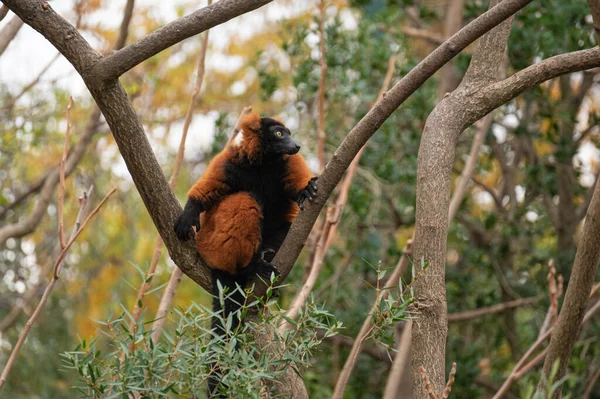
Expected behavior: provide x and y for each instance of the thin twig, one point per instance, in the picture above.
(427, 384)
(448, 388)
(590, 384)
(463, 180)
(478, 313)
(61, 187)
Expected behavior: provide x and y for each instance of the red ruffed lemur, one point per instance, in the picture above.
(243, 206)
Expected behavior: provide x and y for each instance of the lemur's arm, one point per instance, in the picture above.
(299, 182)
(208, 190)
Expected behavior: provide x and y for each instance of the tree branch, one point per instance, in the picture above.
(8, 33)
(118, 63)
(503, 91)
(478, 313)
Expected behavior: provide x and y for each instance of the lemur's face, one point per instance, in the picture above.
(276, 138)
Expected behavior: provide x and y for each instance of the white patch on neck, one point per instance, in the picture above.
(239, 139)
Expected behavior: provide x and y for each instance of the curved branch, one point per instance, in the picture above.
(118, 63)
(496, 94)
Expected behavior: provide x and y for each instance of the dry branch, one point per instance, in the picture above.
(8, 33)
(465, 176)
(400, 362)
(478, 313)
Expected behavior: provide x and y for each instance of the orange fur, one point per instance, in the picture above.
(250, 146)
(230, 233)
(299, 175)
(211, 186)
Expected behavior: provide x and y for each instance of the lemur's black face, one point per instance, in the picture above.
(276, 138)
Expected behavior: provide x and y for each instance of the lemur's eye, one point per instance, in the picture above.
(278, 134)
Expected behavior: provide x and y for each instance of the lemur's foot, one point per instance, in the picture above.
(309, 192)
(265, 269)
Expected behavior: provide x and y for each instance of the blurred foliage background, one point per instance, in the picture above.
(498, 248)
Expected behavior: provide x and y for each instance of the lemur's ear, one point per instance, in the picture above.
(251, 123)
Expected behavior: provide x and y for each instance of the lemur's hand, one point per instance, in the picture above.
(310, 191)
(188, 218)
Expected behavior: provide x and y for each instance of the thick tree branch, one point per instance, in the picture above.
(116, 64)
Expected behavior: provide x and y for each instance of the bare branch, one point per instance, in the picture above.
(28, 225)
(115, 65)
(505, 90)
(583, 207)
(428, 35)
(11, 102)
(427, 384)
(125, 22)
(521, 367)
(400, 363)
(592, 381)
(478, 313)
(8, 33)
(448, 388)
